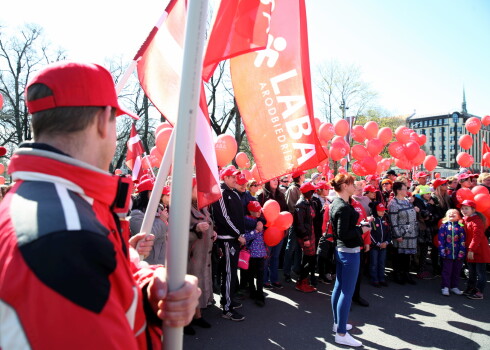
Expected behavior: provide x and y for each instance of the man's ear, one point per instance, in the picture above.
(102, 120)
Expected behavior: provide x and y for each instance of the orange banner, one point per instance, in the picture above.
(273, 93)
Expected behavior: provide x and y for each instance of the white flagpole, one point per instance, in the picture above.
(184, 149)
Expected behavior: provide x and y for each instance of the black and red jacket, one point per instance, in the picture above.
(66, 277)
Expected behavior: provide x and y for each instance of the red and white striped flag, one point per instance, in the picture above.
(159, 68)
(135, 154)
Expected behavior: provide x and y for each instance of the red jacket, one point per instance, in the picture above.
(476, 241)
(66, 279)
(366, 236)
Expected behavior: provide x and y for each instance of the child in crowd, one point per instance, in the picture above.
(258, 253)
(380, 238)
(478, 250)
(452, 251)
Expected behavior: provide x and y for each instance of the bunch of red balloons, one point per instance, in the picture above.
(277, 222)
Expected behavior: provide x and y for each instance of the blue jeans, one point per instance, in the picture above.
(377, 260)
(345, 283)
(478, 276)
(271, 264)
(292, 255)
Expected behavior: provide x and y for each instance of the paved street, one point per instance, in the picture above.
(399, 317)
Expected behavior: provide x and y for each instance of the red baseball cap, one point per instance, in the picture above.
(76, 85)
(229, 171)
(469, 203)
(307, 187)
(381, 207)
(298, 173)
(372, 177)
(241, 179)
(254, 206)
(323, 185)
(421, 174)
(463, 176)
(145, 185)
(369, 188)
(166, 190)
(438, 182)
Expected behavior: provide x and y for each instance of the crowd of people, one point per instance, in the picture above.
(342, 228)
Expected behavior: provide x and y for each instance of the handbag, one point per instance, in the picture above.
(244, 259)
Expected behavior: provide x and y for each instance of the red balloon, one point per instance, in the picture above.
(162, 126)
(248, 174)
(154, 153)
(338, 151)
(2, 168)
(430, 163)
(162, 139)
(339, 139)
(3, 151)
(226, 148)
(437, 175)
(420, 157)
(358, 169)
(242, 160)
(255, 172)
(359, 152)
(319, 168)
(486, 158)
(2, 180)
(273, 236)
(411, 150)
(343, 161)
(396, 149)
(318, 123)
(463, 194)
(117, 171)
(422, 139)
(473, 125)
(403, 164)
(385, 135)
(479, 190)
(1, 101)
(342, 170)
(358, 133)
(487, 216)
(402, 134)
(146, 162)
(465, 141)
(371, 129)
(341, 127)
(374, 146)
(369, 164)
(464, 159)
(486, 120)
(326, 132)
(271, 210)
(284, 220)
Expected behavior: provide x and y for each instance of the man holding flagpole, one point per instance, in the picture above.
(68, 278)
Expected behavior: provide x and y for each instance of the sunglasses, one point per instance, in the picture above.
(284, 181)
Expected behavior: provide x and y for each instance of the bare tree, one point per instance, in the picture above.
(21, 55)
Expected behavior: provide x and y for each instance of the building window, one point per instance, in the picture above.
(460, 129)
(446, 121)
(425, 123)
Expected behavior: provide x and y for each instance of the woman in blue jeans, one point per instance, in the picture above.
(271, 191)
(348, 238)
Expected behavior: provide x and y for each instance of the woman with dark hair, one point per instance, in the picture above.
(159, 227)
(464, 181)
(403, 218)
(271, 190)
(348, 237)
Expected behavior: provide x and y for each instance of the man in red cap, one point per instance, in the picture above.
(64, 252)
(292, 254)
(228, 215)
(420, 179)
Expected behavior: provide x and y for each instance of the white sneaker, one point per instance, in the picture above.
(445, 291)
(347, 340)
(456, 291)
(348, 327)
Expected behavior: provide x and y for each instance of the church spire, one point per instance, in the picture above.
(464, 103)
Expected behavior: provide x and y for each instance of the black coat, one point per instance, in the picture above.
(343, 218)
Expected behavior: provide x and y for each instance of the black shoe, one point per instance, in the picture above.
(234, 305)
(277, 285)
(361, 301)
(469, 291)
(260, 301)
(233, 315)
(399, 279)
(201, 322)
(410, 280)
(287, 278)
(189, 330)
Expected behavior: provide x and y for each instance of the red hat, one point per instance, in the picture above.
(474, 175)
(421, 174)
(469, 203)
(463, 176)
(372, 177)
(323, 185)
(76, 85)
(307, 187)
(254, 206)
(166, 190)
(381, 207)
(369, 188)
(229, 171)
(298, 173)
(241, 179)
(145, 185)
(438, 182)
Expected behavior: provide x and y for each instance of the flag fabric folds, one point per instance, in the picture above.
(135, 153)
(273, 92)
(159, 68)
(240, 26)
(485, 149)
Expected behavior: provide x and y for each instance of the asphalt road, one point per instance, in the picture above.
(399, 317)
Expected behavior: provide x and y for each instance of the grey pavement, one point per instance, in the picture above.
(399, 317)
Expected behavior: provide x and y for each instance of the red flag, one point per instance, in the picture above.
(135, 153)
(273, 92)
(485, 149)
(159, 70)
(240, 27)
